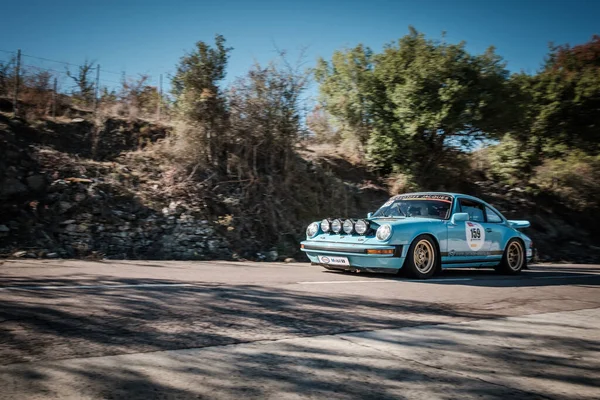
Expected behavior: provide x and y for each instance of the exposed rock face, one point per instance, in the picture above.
(77, 216)
(87, 140)
(81, 219)
(37, 183)
(12, 187)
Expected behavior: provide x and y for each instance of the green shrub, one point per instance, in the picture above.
(575, 179)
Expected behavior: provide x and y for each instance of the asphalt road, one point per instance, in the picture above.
(140, 329)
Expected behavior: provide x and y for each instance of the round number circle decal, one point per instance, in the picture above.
(475, 235)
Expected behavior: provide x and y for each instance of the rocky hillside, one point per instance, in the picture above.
(66, 192)
(78, 188)
(83, 189)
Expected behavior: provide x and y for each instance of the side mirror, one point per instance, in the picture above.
(459, 217)
(369, 215)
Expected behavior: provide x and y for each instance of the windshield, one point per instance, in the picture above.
(419, 206)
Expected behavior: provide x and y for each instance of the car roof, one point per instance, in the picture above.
(466, 196)
(456, 195)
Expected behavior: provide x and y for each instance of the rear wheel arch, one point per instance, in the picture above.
(520, 239)
(503, 266)
(517, 238)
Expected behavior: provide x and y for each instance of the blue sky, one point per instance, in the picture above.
(149, 36)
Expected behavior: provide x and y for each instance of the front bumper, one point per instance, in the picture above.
(357, 256)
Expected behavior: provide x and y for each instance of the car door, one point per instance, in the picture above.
(469, 241)
(495, 230)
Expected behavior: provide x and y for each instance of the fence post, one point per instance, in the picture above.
(54, 96)
(16, 95)
(158, 106)
(96, 89)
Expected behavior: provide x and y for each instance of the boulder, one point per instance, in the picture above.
(12, 187)
(65, 206)
(37, 183)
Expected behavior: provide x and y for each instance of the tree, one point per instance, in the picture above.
(201, 104)
(265, 118)
(557, 112)
(566, 94)
(346, 92)
(139, 97)
(319, 122)
(438, 96)
(84, 85)
(416, 99)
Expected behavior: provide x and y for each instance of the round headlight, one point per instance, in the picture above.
(384, 232)
(325, 225)
(312, 229)
(336, 225)
(361, 226)
(348, 226)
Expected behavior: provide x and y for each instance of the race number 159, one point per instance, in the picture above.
(475, 233)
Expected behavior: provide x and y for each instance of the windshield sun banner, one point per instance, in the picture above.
(438, 197)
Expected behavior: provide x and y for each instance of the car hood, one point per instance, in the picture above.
(402, 228)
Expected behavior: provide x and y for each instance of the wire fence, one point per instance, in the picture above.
(50, 84)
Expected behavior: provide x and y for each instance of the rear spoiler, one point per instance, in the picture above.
(519, 224)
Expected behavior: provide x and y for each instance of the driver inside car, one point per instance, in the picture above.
(413, 210)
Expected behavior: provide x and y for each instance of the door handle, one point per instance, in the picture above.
(488, 229)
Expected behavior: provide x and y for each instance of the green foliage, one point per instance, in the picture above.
(575, 179)
(511, 160)
(440, 97)
(240, 142)
(557, 113)
(416, 100)
(421, 105)
(567, 99)
(346, 91)
(320, 123)
(137, 97)
(201, 106)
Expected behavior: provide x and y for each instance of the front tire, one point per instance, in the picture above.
(422, 258)
(513, 260)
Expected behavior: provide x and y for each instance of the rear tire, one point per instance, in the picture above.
(514, 259)
(422, 258)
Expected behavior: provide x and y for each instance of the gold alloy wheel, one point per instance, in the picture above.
(514, 257)
(424, 256)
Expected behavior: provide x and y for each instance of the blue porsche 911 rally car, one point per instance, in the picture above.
(421, 233)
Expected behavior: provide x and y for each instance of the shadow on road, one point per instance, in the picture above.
(37, 325)
(535, 276)
(96, 321)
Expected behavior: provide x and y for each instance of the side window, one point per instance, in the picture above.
(492, 216)
(473, 208)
